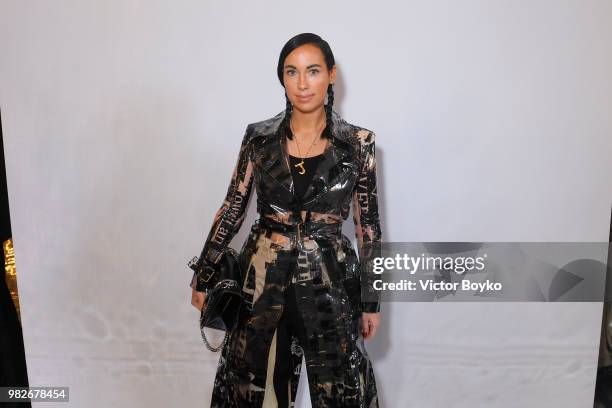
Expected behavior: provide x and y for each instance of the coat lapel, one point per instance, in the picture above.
(338, 159)
(336, 163)
(271, 158)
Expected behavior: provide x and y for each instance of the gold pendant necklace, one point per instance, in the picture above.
(300, 165)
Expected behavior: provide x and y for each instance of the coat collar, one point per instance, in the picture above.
(338, 158)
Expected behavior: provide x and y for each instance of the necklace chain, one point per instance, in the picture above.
(314, 140)
(300, 165)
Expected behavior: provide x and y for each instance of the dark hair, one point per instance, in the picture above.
(293, 43)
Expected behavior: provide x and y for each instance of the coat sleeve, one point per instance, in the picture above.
(365, 206)
(229, 217)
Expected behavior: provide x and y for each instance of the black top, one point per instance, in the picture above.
(301, 181)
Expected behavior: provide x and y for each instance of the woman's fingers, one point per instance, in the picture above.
(197, 299)
(365, 327)
(369, 327)
(373, 330)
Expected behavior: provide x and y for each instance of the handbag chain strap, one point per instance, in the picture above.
(207, 344)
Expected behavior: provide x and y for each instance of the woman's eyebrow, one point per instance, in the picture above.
(308, 67)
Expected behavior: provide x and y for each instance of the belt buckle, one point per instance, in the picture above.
(293, 241)
(298, 228)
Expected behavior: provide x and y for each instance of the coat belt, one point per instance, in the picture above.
(310, 228)
(323, 234)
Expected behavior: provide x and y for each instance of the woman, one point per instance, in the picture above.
(302, 281)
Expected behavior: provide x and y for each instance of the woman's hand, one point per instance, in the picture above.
(198, 299)
(369, 325)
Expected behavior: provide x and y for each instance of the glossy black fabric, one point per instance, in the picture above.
(302, 181)
(314, 276)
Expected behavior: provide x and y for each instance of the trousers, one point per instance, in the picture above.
(320, 342)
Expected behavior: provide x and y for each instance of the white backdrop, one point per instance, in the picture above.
(122, 123)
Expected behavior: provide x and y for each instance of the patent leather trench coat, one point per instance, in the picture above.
(339, 369)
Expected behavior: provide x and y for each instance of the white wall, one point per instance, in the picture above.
(122, 122)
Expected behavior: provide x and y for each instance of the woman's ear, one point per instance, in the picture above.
(332, 74)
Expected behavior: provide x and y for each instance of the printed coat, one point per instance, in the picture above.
(319, 264)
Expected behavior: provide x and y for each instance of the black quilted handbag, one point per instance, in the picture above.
(224, 299)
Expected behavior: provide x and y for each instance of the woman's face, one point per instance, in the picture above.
(306, 77)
